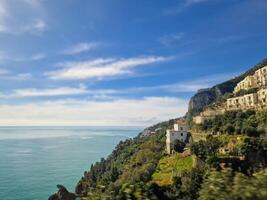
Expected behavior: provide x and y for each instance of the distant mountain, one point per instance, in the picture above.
(207, 96)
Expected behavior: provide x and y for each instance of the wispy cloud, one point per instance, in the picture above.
(3, 16)
(142, 112)
(12, 23)
(185, 86)
(200, 83)
(38, 56)
(182, 6)
(171, 40)
(59, 91)
(100, 68)
(79, 48)
(32, 2)
(4, 56)
(3, 72)
(21, 77)
(192, 2)
(39, 25)
(7, 75)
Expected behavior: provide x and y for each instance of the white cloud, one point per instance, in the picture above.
(3, 16)
(15, 77)
(4, 56)
(3, 71)
(143, 112)
(21, 77)
(192, 2)
(79, 48)
(39, 25)
(185, 86)
(36, 26)
(15, 19)
(100, 68)
(61, 91)
(32, 2)
(38, 56)
(182, 6)
(57, 91)
(200, 83)
(170, 40)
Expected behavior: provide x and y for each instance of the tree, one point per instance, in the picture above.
(178, 146)
(203, 149)
(231, 186)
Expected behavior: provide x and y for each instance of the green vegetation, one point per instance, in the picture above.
(230, 185)
(244, 92)
(140, 169)
(178, 146)
(248, 123)
(133, 161)
(171, 166)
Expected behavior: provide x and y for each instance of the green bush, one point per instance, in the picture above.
(237, 122)
(178, 146)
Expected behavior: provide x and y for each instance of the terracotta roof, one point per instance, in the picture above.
(180, 122)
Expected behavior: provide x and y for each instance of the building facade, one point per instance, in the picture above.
(248, 101)
(179, 132)
(258, 79)
(244, 102)
(246, 84)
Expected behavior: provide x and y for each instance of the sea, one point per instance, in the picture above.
(33, 160)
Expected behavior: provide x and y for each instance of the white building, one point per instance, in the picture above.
(179, 132)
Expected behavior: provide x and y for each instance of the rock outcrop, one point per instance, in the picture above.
(62, 194)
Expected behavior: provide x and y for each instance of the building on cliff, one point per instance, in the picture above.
(249, 101)
(256, 99)
(257, 80)
(179, 132)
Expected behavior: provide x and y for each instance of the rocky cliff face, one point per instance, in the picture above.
(206, 97)
(62, 194)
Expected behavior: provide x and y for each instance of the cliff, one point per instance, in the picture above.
(207, 96)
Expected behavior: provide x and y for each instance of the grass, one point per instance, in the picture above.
(170, 166)
(198, 136)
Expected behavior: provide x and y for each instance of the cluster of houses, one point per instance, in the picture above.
(252, 100)
(256, 99)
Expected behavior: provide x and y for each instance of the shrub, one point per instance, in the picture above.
(178, 146)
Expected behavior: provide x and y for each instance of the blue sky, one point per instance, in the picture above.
(120, 62)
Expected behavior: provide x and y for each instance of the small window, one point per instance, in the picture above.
(182, 134)
(181, 128)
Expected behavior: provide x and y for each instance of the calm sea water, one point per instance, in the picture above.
(33, 160)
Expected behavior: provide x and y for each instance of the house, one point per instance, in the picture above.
(199, 119)
(179, 132)
(258, 79)
(247, 83)
(243, 102)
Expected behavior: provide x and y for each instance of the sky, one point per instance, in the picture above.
(120, 62)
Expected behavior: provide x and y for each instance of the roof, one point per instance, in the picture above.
(180, 122)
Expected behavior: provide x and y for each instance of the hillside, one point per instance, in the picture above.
(227, 152)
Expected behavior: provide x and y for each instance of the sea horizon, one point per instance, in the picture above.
(36, 159)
